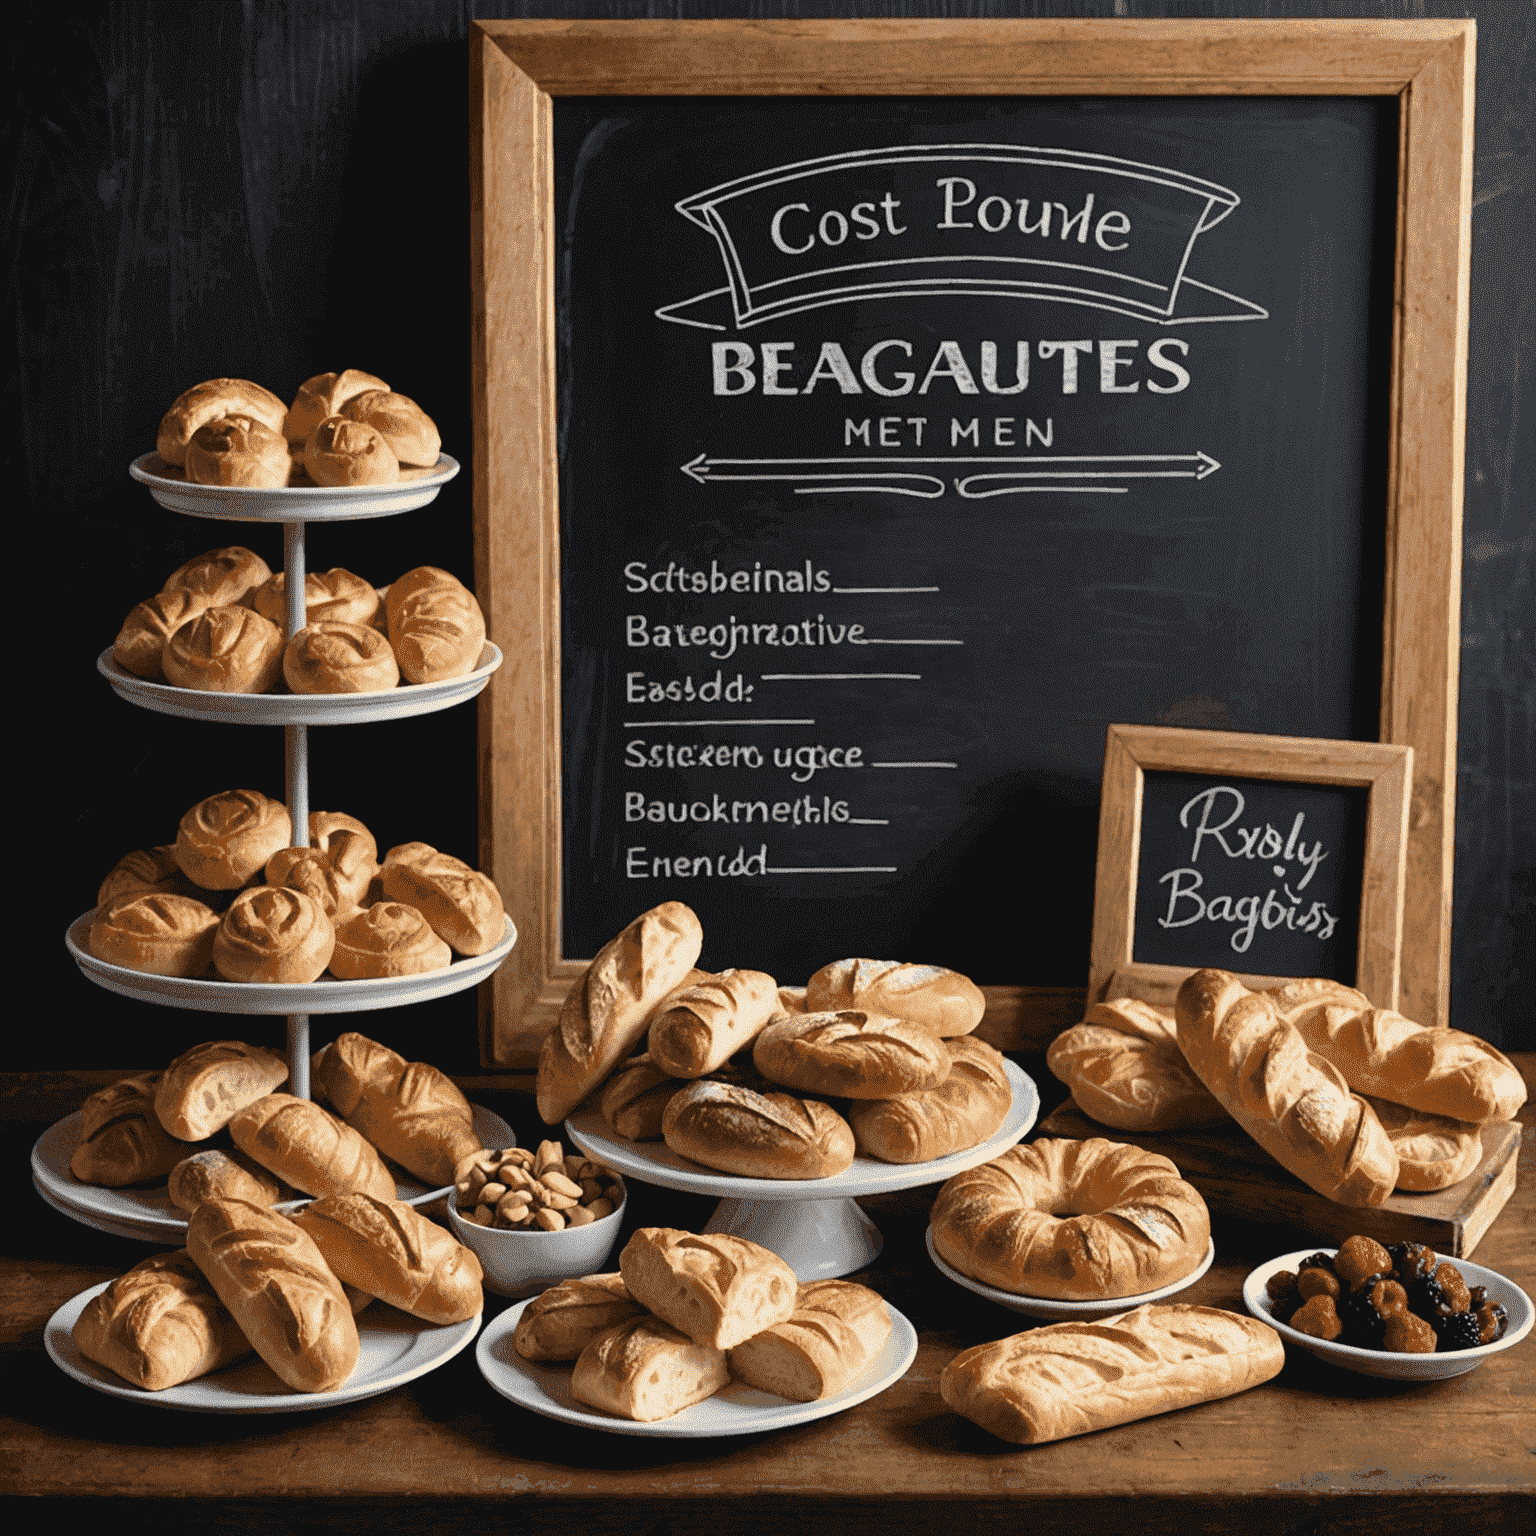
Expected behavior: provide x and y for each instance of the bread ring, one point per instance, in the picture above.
(1072, 1220)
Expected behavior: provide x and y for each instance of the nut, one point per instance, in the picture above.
(550, 1221)
(561, 1184)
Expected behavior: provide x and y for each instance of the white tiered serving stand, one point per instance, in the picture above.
(812, 1224)
(293, 507)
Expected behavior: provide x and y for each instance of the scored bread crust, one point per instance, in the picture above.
(212, 1172)
(329, 656)
(387, 939)
(224, 840)
(942, 1001)
(560, 1322)
(204, 1088)
(463, 906)
(421, 1120)
(644, 1370)
(273, 934)
(312, 1150)
(757, 1135)
(336, 595)
(157, 932)
(1433, 1151)
(121, 1138)
(218, 576)
(966, 1108)
(352, 1065)
(408, 430)
(238, 449)
(437, 631)
(1071, 1378)
(850, 1054)
(140, 643)
(707, 1022)
(208, 401)
(836, 1329)
(227, 649)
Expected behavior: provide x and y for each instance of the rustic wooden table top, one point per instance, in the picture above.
(1316, 1449)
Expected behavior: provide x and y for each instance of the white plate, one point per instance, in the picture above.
(300, 708)
(733, 1410)
(1381, 1362)
(293, 503)
(145, 1212)
(653, 1162)
(1054, 1311)
(209, 994)
(396, 1349)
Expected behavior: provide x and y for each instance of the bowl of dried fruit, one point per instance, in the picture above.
(535, 1218)
(1399, 1311)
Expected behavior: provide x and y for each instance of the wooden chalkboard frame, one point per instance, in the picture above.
(1131, 751)
(518, 67)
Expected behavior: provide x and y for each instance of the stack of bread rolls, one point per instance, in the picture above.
(233, 893)
(686, 1314)
(736, 1072)
(218, 625)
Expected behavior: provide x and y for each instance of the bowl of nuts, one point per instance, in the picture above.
(535, 1218)
(1399, 1311)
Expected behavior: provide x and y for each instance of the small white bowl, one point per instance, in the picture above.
(519, 1263)
(1381, 1362)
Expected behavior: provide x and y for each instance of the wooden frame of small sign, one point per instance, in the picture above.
(518, 67)
(1131, 751)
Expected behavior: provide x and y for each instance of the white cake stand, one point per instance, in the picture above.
(812, 1224)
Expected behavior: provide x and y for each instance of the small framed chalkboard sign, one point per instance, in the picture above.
(870, 412)
(1269, 856)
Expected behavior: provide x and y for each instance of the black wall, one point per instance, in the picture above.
(270, 191)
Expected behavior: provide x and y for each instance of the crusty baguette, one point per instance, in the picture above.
(943, 1002)
(1071, 1378)
(836, 1329)
(757, 1135)
(850, 1054)
(636, 1097)
(705, 1024)
(1296, 1105)
(966, 1108)
(203, 1089)
(312, 1150)
(559, 1323)
(215, 1172)
(1433, 1152)
(608, 1010)
(282, 1294)
(121, 1138)
(644, 1370)
(351, 1065)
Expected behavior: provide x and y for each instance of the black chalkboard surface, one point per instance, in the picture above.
(903, 444)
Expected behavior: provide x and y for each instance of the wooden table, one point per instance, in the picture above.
(1314, 1450)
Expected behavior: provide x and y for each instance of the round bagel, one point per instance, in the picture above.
(1073, 1221)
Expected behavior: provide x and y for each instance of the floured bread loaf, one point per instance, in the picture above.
(705, 1024)
(850, 1054)
(757, 1135)
(943, 1002)
(966, 1108)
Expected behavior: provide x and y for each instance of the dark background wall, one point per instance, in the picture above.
(273, 190)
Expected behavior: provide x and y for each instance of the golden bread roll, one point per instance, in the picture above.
(421, 1120)
(462, 905)
(227, 649)
(636, 1097)
(757, 1135)
(206, 1174)
(310, 871)
(238, 450)
(326, 657)
(388, 1249)
(645, 1371)
(1289, 1099)
(226, 839)
(282, 1294)
(203, 1089)
(342, 452)
(437, 629)
(350, 847)
(836, 1329)
(140, 643)
(335, 596)
(209, 401)
(387, 939)
(1441, 1071)
(560, 1322)
(966, 1108)
(1125, 1069)
(273, 934)
(1071, 1378)
(159, 1325)
(144, 872)
(943, 1002)
(717, 1288)
(850, 1054)
(324, 396)
(156, 932)
(1433, 1151)
(408, 430)
(220, 576)
(418, 579)
(312, 1150)
(1073, 1221)
(705, 1024)
(352, 1065)
(121, 1139)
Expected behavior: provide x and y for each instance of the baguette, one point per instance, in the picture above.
(757, 1135)
(421, 1121)
(310, 1149)
(835, 1330)
(850, 1054)
(1291, 1101)
(966, 1108)
(203, 1089)
(644, 1370)
(707, 1023)
(212, 1172)
(1433, 1152)
(1072, 1378)
(560, 1322)
(352, 1065)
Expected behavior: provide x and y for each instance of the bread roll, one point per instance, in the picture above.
(836, 1329)
(1072, 1220)
(310, 1149)
(943, 1002)
(850, 1054)
(155, 932)
(208, 401)
(387, 939)
(757, 1135)
(421, 1120)
(1125, 1069)
(1071, 1378)
(409, 431)
(326, 657)
(1290, 1100)
(273, 934)
(225, 650)
(966, 1108)
(206, 1174)
(636, 1096)
(342, 452)
(121, 1139)
(323, 396)
(159, 1325)
(310, 871)
(419, 578)
(1433, 1152)
(145, 871)
(350, 847)
(437, 630)
(204, 1088)
(283, 1296)
(352, 1065)
(334, 597)
(704, 1025)
(559, 1323)
(607, 1011)
(462, 905)
(717, 1288)
(644, 1370)
(390, 1250)
(227, 838)
(140, 643)
(238, 450)
(220, 576)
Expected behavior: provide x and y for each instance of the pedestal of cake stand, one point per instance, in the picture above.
(818, 1239)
